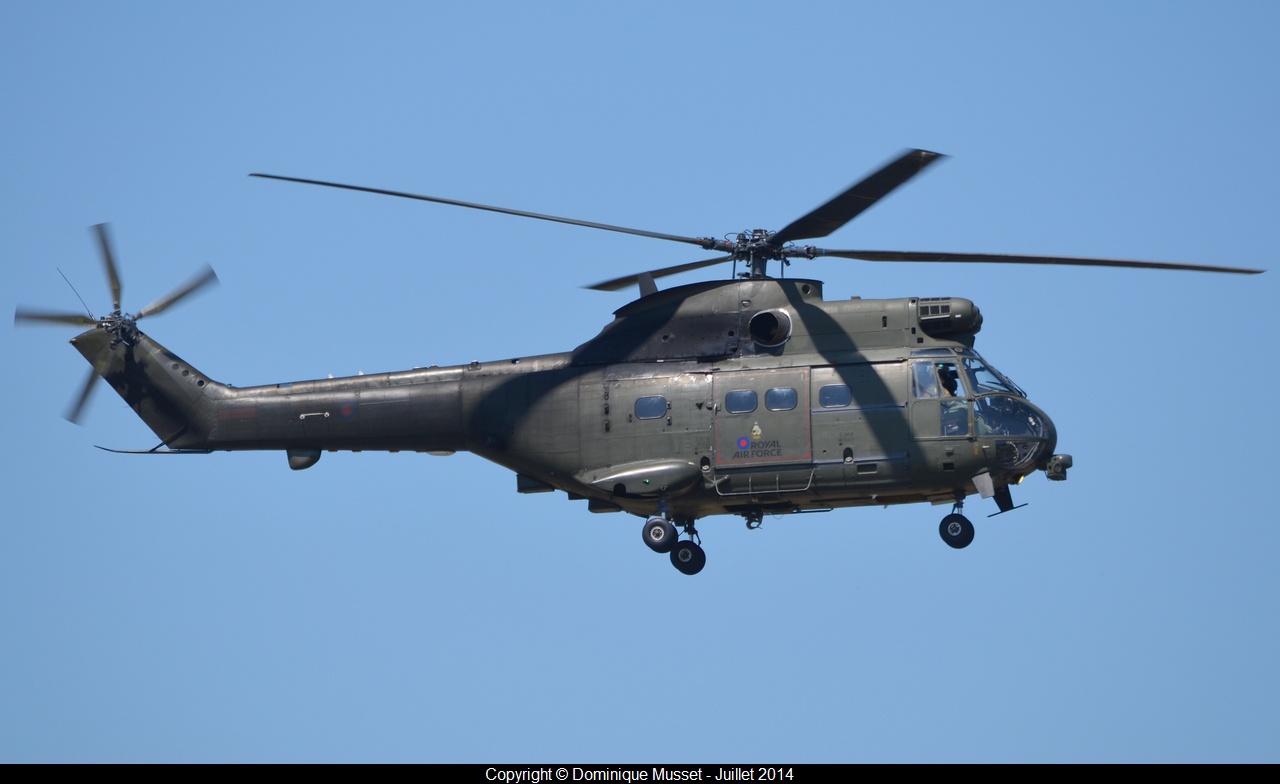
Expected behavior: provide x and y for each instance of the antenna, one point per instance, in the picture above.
(73, 291)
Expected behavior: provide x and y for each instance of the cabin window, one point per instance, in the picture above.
(783, 399)
(835, 396)
(651, 407)
(740, 401)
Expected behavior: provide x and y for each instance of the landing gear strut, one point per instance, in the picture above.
(955, 529)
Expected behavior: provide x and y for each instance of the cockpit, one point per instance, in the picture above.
(976, 400)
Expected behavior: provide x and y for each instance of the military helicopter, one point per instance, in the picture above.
(748, 396)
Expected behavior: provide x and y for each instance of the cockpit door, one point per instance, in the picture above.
(939, 406)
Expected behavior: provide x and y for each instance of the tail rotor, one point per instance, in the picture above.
(122, 327)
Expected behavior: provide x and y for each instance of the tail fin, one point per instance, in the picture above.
(174, 399)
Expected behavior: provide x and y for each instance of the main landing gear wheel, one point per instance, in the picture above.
(660, 535)
(956, 530)
(688, 557)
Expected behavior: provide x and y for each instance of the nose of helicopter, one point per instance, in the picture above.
(1050, 441)
(1046, 459)
(1021, 434)
(1053, 464)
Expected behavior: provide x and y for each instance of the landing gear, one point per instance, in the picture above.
(956, 530)
(660, 535)
(688, 557)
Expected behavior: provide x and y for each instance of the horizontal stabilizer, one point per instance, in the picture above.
(156, 451)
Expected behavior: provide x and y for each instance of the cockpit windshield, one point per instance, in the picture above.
(979, 377)
(984, 379)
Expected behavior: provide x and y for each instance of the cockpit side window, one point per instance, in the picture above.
(935, 379)
(924, 380)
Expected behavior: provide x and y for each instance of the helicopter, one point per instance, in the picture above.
(749, 396)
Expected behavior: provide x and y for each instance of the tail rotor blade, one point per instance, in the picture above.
(109, 261)
(204, 278)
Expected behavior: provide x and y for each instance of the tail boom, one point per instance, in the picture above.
(419, 410)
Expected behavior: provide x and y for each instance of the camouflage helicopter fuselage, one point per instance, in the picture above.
(747, 397)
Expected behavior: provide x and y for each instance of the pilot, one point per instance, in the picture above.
(950, 380)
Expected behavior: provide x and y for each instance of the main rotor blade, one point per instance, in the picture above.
(22, 315)
(631, 280)
(72, 414)
(521, 213)
(987, 258)
(108, 260)
(851, 203)
(202, 279)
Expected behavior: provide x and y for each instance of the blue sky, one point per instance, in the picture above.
(412, 608)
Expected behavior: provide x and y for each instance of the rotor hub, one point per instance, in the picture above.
(123, 326)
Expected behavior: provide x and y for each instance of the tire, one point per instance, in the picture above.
(688, 557)
(660, 535)
(956, 531)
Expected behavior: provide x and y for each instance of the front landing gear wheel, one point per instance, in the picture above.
(956, 530)
(688, 557)
(660, 535)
